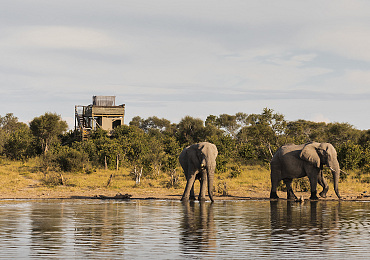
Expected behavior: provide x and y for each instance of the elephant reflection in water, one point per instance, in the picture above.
(198, 231)
(288, 217)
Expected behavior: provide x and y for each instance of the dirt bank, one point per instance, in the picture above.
(172, 194)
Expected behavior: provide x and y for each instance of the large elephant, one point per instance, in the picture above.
(296, 161)
(199, 162)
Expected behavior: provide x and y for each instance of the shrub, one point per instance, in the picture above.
(247, 152)
(70, 160)
(349, 155)
(235, 171)
(18, 145)
(53, 179)
(221, 162)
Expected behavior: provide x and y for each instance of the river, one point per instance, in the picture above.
(167, 229)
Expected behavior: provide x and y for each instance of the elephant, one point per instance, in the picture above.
(296, 161)
(199, 162)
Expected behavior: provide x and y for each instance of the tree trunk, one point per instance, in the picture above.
(62, 179)
(46, 147)
(110, 179)
(269, 148)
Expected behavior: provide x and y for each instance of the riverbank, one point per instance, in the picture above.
(25, 181)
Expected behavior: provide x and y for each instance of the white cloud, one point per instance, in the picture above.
(320, 118)
(350, 41)
(216, 55)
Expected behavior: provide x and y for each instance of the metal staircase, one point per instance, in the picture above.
(80, 123)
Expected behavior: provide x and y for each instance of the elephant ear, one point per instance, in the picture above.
(192, 153)
(310, 155)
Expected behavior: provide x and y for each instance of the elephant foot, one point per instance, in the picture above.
(273, 195)
(301, 199)
(314, 196)
(200, 198)
(291, 196)
(322, 194)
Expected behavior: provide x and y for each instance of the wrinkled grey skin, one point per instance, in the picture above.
(199, 162)
(296, 161)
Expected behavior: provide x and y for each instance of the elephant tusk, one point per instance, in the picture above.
(340, 171)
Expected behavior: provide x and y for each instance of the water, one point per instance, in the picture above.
(154, 229)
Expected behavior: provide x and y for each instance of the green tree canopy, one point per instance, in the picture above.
(47, 128)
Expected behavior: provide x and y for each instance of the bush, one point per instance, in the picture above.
(365, 159)
(18, 145)
(221, 162)
(235, 171)
(301, 184)
(247, 152)
(71, 160)
(349, 155)
(53, 179)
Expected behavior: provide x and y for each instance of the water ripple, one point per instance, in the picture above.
(95, 229)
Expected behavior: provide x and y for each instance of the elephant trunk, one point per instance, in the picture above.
(336, 174)
(210, 173)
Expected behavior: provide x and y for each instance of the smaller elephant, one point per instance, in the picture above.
(296, 161)
(199, 162)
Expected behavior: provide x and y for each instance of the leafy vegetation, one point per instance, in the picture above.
(149, 148)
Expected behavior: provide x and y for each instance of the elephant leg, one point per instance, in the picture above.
(275, 179)
(203, 183)
(324, 185)
(289, 190)
(189, 185)
(313, 175)
(192, 194)
(313, 183)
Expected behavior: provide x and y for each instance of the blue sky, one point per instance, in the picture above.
(304, 59)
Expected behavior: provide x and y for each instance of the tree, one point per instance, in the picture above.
(8, 125)
(339, 133)
(18, 145)
(264, 131)
(47, 128)
(190, 130)
(228, 123)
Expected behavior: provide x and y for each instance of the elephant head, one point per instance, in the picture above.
(320, 154)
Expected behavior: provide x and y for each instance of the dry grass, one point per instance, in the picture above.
(25, 180)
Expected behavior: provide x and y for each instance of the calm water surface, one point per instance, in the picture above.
(152, 229)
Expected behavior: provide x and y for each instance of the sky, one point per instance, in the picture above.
(304, 59)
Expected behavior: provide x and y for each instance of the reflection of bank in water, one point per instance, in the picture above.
(198, 232)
